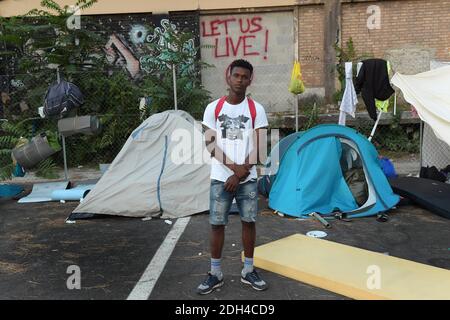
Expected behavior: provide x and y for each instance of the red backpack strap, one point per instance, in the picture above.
(252, 107)
(219, 106)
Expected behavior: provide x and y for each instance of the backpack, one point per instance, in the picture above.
(251, 106)
(387, 167)
(61, 98)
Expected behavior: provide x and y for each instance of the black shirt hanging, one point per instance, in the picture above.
(373, 83)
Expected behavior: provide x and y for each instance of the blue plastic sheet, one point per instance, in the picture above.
(74, 194)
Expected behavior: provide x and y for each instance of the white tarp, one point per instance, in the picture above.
(148, 173)
(429, 93)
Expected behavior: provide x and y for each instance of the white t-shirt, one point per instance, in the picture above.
(234, 131)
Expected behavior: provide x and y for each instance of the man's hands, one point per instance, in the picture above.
(231, 184)
(241, 173)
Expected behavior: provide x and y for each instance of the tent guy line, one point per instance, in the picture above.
(147, 282)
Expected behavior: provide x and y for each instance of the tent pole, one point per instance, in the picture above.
(296, 112)
(420, 144)
(174, 86)
(64, 156)
(58, 78)
(395, 103)
(375, 126)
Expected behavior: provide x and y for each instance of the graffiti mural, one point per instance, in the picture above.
(119, 54)
(150, 50)
(166, 51)
(138, 34)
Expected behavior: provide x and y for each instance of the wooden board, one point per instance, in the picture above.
(352, 272)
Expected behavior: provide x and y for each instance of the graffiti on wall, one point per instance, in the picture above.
(166, 52)
(120, 54)
(237, 36)
(150, 51)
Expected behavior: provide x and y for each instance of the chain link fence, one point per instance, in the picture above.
(434, 152)
(119, 102)
(122, 103)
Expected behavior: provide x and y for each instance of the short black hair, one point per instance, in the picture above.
(243, 64)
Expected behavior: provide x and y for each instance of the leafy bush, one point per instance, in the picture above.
(40, 42)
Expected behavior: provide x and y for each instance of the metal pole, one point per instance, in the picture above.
(420, 144)
(174, 86)
(375, 126)
(57, 75)
(296, 112)
(64, 156)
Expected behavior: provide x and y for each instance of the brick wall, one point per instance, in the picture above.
(415, 24)
(311, 44)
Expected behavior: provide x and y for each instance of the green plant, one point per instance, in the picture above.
(174, 49)
(398, 137)
(8, 140)
(395, 137)
(312, 114)
(39, 42)
(14, 133)
(346, 54)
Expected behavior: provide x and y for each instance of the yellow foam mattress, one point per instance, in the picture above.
(352, 272)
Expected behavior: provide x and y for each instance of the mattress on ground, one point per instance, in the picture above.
(430, 194)
(352, 272)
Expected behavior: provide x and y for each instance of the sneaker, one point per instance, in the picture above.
(253, 279)
(210, 283)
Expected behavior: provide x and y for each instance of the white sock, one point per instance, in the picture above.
(216, 269)
(248, 266)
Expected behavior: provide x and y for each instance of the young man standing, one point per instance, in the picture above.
(233, 124)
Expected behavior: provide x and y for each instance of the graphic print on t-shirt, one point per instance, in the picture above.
(232, 128)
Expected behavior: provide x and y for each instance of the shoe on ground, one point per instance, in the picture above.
(211, 283)
(254, 280)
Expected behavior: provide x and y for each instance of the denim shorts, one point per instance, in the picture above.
(220, 203)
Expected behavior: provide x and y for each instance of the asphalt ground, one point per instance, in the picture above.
(37, 247)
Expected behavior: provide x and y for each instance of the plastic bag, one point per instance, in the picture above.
(296, 85)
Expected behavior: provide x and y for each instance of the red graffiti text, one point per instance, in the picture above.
(245, 42)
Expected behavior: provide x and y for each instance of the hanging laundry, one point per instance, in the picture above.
(384, 105)
(349, 99)
(373, 83)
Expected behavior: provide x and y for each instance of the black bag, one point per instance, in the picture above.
(61, 98)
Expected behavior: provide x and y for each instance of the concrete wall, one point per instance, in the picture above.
(264, 39)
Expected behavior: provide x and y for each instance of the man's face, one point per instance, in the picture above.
(239, 80)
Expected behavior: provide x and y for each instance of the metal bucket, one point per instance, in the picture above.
(84, 124)
(35, 151)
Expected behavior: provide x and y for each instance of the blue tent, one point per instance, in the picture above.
(308, 176)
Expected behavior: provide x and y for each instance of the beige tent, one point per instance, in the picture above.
(429, 93)
(160, 169)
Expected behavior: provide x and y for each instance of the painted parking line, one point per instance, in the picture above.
(145, 285)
